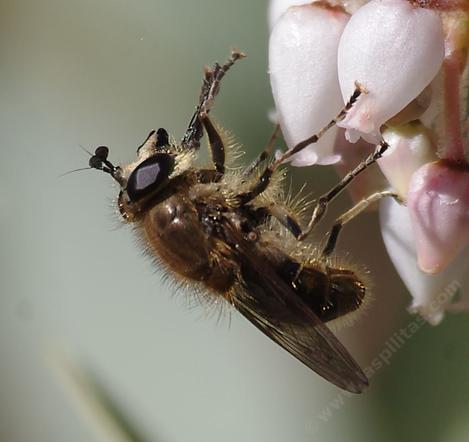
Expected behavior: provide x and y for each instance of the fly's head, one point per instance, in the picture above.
(145, 179)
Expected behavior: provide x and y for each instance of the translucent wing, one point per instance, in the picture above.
(275, 309)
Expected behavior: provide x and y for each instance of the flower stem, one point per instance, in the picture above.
(453, 149)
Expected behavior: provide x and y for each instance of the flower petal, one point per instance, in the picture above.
(278, 7)
(438, 203)
(410, 147)
(432, 294)
(394, 50)
(303, 75)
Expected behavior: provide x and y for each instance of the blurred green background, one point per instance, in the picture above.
(93, 347)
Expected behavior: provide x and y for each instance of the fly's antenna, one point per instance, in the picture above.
(99, 160)
(74, 170)
(84, 149)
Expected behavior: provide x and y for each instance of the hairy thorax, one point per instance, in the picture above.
(181, 231)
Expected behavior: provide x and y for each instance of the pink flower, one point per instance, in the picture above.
(438, 202)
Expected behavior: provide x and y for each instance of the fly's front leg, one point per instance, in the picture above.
(217, 152)
(217, 147)
(323, 202)
(352, 213)
(210, 88)
(264, 179)
(212, 80)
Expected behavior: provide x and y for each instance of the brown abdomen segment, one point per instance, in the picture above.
(330, 294)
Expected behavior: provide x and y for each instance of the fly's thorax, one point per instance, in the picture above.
(178, 212)
(184, 233)
(172, 231)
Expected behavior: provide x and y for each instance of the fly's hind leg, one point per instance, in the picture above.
(210, 88)
(352, 213)
(323, 202)
(289, 221)
(283, 216)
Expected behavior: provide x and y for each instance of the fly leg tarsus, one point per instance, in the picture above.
(323, 202)
(352, 213)
(210, 88)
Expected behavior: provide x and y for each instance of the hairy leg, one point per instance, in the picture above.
(210, 88)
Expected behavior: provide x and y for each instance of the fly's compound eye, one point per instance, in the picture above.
(149, 175)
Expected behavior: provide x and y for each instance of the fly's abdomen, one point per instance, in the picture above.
(330, 293)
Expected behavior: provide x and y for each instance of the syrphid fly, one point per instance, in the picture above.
(231, 234)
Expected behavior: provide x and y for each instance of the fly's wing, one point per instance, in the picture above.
(275, 309)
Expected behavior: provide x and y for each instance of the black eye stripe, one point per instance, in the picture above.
(149, 175)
